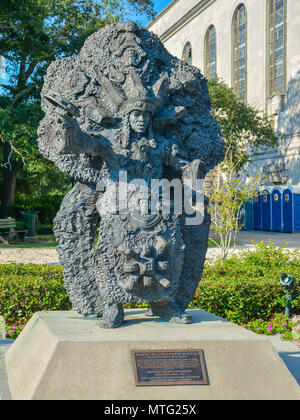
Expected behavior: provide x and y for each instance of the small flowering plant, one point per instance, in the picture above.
(11, 332)
(279, 324)
(267, 254)
(260, 327)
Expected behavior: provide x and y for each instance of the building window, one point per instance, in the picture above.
(210, 49)
(187, 53)
(239, 52)
(276, 47)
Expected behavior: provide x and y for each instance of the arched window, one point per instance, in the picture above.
(210, 49)
(187, 53)
(277, 28)
(239, 52)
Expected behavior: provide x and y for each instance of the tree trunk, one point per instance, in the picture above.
(9, 176)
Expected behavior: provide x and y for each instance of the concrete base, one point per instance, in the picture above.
(62, 355)
(4, 389)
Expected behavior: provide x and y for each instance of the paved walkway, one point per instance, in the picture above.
(289, 353)
(29, 255)
(291, 239)
(246, 241)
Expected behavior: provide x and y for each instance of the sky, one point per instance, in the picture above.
(159, 5)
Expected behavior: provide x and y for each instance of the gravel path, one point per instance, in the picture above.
(245, 239)
(49, 255)
(29, 255)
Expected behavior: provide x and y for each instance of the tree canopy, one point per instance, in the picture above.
(33, 33)
(246, 130)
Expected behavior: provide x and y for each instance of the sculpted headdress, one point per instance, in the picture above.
(104, 84)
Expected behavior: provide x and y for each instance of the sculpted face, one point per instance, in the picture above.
(131, 57)
(139, 121)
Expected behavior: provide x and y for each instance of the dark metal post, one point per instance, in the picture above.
(289, 286)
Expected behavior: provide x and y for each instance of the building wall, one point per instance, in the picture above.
(184, 21)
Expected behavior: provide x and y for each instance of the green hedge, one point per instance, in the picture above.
(246, 287)
(239, 289)
(240, 300)
(26, 289)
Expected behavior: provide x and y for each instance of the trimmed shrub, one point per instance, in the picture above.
(240, 289)
(246, 287)
(26, 289)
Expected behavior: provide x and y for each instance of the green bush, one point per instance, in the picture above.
(26, 289)
(47, 207)
(44, 229)
(241, 289)
(246, 287)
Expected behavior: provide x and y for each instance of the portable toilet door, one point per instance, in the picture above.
(296, 208)
(248, 219)
(276, 210)
(287, 208)
(266, 210)
(257, 211)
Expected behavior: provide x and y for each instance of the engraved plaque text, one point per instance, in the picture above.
(169, 367)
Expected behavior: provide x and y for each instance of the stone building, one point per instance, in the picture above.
(254, 47)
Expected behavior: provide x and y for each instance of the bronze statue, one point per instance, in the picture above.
(119, 117)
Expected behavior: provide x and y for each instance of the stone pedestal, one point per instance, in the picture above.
(296, 328)
(62, 355)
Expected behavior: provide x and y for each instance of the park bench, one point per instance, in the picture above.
(8, 230)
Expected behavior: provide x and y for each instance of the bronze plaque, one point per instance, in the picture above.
(169, 367)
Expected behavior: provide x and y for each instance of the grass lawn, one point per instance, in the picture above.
(40, 241)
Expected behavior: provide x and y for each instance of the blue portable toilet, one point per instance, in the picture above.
(296, 197)
(249, 216)
(291, 209)
(257, 211)
(287, 210)
(276, 209)
(266, 210)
